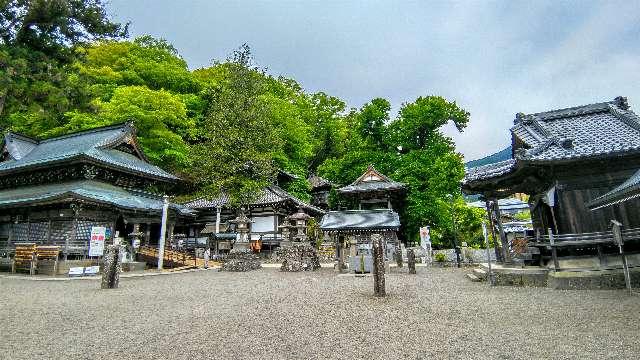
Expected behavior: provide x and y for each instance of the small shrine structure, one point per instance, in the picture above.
(376, 195)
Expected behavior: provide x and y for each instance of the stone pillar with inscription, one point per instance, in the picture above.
(111, 267)
(379, 289)
(411, 261)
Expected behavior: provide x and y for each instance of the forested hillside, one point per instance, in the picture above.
(229, 126)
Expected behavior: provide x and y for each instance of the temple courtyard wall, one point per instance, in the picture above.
(435, 314)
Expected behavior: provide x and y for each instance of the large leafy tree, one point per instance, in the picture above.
(410, 149)
(37, 43)
(160, 118)
(237, 137)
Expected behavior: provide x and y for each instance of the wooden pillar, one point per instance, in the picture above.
(49, 231)
(503, 237)
(275, 226)
(554, 251)
(74, 231)
(617, 238)
(147, 234)
(496, 247)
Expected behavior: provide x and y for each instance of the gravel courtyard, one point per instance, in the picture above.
(271, 315)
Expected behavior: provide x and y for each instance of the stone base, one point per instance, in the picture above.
(299, 257)
(240, 260)
(593, 280)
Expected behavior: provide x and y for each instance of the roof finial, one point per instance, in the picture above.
(622, 103)
(519, 118)
(129, 124)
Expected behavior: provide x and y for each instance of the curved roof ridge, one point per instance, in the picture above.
(124, 126)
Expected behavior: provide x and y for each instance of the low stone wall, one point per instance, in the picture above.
(467, 255)
(593, 280)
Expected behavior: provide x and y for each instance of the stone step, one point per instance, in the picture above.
(480, 273)
(473, 277)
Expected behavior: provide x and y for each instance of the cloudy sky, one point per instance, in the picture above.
(493, 58)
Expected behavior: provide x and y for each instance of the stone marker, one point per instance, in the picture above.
(378, 265)
(398, 255)
(111, 266)
(411, 261)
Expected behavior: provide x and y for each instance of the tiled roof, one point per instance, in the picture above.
(589, 131)
(628, 190)
(89, 190)
(505, 204)
(486, 172)
(97, 145)
(592, 130)
(372, 180)
(270, 195)
(360, 220)
(318, 182)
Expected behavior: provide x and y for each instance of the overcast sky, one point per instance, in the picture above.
(493, 58)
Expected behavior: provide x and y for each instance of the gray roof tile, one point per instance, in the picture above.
(270, 195)
(630, 189)
(89, 190)
(372, 180)
(577, 133)
(358, 220)
(96, 144)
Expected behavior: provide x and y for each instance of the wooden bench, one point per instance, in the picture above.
(47, 255)
(25, 258)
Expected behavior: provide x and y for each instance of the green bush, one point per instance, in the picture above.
(440, 257)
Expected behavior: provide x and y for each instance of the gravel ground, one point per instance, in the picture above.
(267, 314)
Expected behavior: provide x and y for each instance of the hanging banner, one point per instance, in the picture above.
(96, 244)
(425, 236)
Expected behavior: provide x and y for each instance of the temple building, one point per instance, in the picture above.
(267, 212)
(567, 160)
(376, 195)
(53, 191)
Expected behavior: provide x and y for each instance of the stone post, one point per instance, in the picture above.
(378, 265)
(398, 255)
(411, 261)
(111, 267)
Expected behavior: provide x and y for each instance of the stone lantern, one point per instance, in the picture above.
(300, 220)
(285, 229)
(242, 227)
(299, 255)
(241, 258)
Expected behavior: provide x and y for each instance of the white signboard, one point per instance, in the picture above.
(91, 270)
(76, 271)
(425, 236)
(96, 243)
(262, 224)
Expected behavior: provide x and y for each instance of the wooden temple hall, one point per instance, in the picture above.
(52, 192)
(268, 214)
(350, 230)
(569, 161)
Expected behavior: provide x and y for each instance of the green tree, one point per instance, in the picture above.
(159, 116)
(37, 43)
(237, 139)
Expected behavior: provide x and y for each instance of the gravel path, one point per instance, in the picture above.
(271, 315)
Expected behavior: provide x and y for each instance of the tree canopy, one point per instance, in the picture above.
(229, 126)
